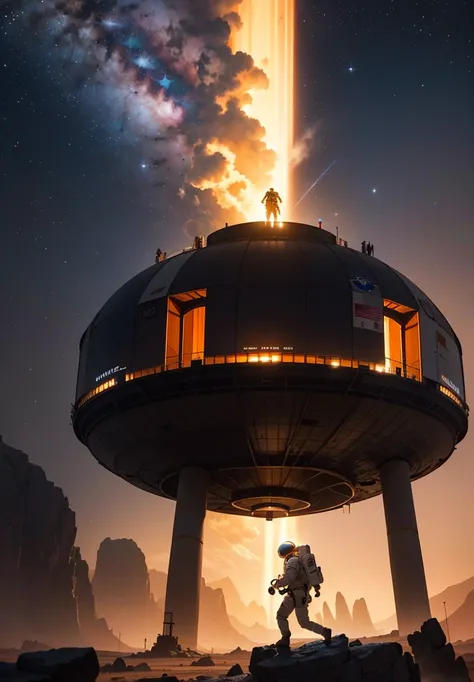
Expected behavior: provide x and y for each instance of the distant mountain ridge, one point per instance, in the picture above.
(454, 596)
(247, 614)
(460, 625)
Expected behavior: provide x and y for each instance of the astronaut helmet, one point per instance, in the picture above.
(271, 189)
(286, 549)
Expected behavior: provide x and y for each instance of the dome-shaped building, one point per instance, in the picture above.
(274, 372)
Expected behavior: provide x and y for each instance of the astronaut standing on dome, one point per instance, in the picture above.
(272, 208)
(295, 578)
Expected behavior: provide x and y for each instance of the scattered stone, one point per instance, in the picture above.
(356, 642)
(64, 665)
(168, 678)
(118, 666)
(204, 661)
(141, 668)
(234, 671)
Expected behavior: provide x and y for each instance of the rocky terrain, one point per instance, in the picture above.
(431, 660)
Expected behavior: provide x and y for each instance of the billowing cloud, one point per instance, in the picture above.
(171, 85)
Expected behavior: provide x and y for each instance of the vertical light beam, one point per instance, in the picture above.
(268, 35)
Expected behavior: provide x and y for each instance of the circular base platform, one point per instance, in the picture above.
(319, 433)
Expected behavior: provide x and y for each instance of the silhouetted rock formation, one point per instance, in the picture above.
(461, 622)
(362, 625)
(215, 628)
(121, 588)
(37, 532)
(328, 618)
(257, 633)
(158, 584)
(436, 659)
(245, 614)
(343, 615)
(93, 630)
(44, 583)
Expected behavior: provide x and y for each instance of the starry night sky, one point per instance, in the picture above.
(390, 86)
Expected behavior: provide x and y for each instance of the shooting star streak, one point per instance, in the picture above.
(315, 183)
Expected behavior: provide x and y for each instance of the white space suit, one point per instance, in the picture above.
(297, 600)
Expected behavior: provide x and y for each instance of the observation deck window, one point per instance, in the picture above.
(185, 328)
(402, 340)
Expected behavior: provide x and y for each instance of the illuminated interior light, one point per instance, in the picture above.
(379, 368)
(265, 358)
(276, 358)
(335, 363)
(253, 358)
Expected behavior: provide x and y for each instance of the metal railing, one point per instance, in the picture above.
(188, 360)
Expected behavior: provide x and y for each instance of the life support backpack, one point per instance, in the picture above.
(311, 568)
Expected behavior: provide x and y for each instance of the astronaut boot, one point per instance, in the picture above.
(284, 641)
(327, 636)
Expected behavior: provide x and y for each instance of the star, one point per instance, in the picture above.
(374, 191)
(165, 82)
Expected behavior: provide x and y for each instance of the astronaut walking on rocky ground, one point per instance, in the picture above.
(272, 208)
(300, 574)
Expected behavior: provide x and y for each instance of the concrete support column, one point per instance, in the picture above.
(183, 587)
(406, 561)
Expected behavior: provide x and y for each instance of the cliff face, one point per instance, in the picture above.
(94, 631)
(121, 586)
(245, 614)
(215, 628)
(37, 533)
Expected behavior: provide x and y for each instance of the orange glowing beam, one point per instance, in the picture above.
(268, 35)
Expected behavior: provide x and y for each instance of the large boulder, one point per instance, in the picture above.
(436, 659)
(308, 662)
(62, 665)
(338, 662)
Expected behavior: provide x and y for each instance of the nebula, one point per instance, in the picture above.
(166, 79)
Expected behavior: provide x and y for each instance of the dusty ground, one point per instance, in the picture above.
(172, 666)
